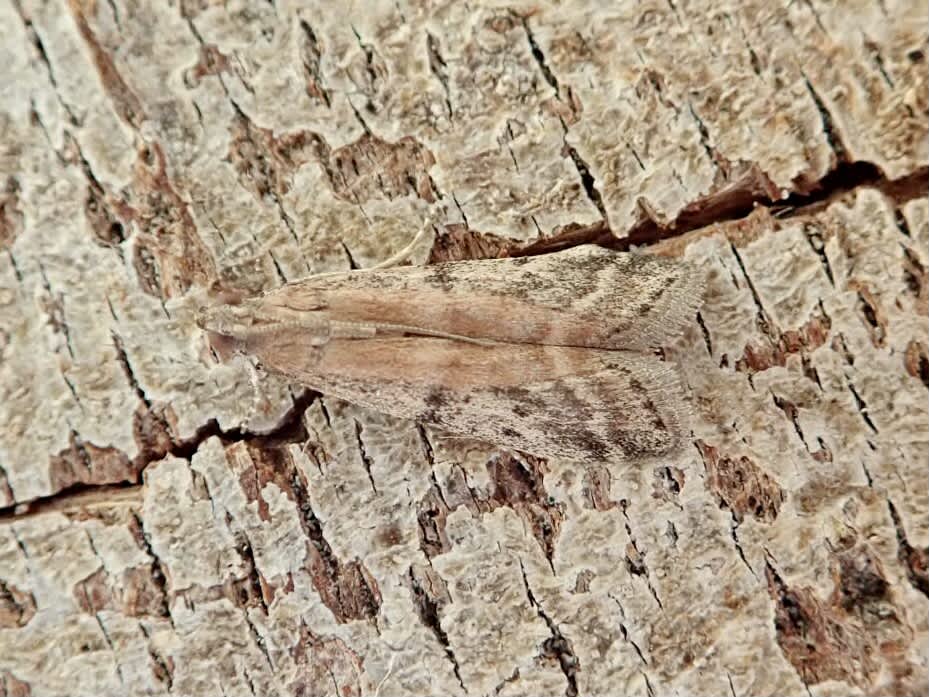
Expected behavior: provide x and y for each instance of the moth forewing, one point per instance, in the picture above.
(556, 401)
(584, 296)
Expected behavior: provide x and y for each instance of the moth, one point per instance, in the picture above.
(553, 355)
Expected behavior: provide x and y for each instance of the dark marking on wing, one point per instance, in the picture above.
(648, 404)
(649, 304)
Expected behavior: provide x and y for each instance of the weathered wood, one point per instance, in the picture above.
(162, 531)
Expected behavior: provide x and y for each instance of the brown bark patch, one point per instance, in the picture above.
(256, 467)
(742, 485)
(136, 593)
(167, 252)
(667, 483)
(369, 168)
(105, 221)
(595, 489)
(916, 361)
(264, 163)
(324, 659)
(816, 642)
(11, 217)
(85, 463)
(915, 277)
(151, 433)
(457, 242)
(518, 484)
(92, 593)
(372, 168)
(6, 491)
(125, 102)
(211, 61)
(738, 187)
(913, 559)
(142, 592)
(872, 315)
(311, 52)
(170, 234)
(17, 606)
(431, 514)
(346, 588)
(10, 686)
(811, 335)
(582, 581)
(856, 634)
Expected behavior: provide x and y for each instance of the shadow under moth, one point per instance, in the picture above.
(553, 355)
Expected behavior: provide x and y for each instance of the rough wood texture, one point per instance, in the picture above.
(163, 532)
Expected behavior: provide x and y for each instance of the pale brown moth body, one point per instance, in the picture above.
(552, 355)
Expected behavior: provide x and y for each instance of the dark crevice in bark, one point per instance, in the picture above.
(764, 320)
(312, 58)
(914, 560)
(583, 169)
(737, 204)
(17, 271)
(289, 430)
(815, 239)
(649, 690)
(708, 148)
(791, 412)
(428, 449)
(162, 669)
(352, 263)
(635, 563)
(731, 686)
(111, 647)
(625, 632)
(55, 310)
(259, 640)
(734, 533)
(43, 57)
(829, 129)
(587, 179)
(428, 610)
(635, 646)
(862, 408)
(438, 68)
(158, 570)
(253, 580)
(556, 646)
(706, 335)
(539, 57)
(345, 587)
(249, 682)
(127, 368)
(366, 460)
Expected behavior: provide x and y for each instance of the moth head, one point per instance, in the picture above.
(225, 320)
(227, 328)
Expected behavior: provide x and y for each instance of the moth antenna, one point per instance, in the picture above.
(428, 332)
(405, 253)
(398, 258)
(390, 669)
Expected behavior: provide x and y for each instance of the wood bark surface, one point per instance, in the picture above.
(162, 531)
